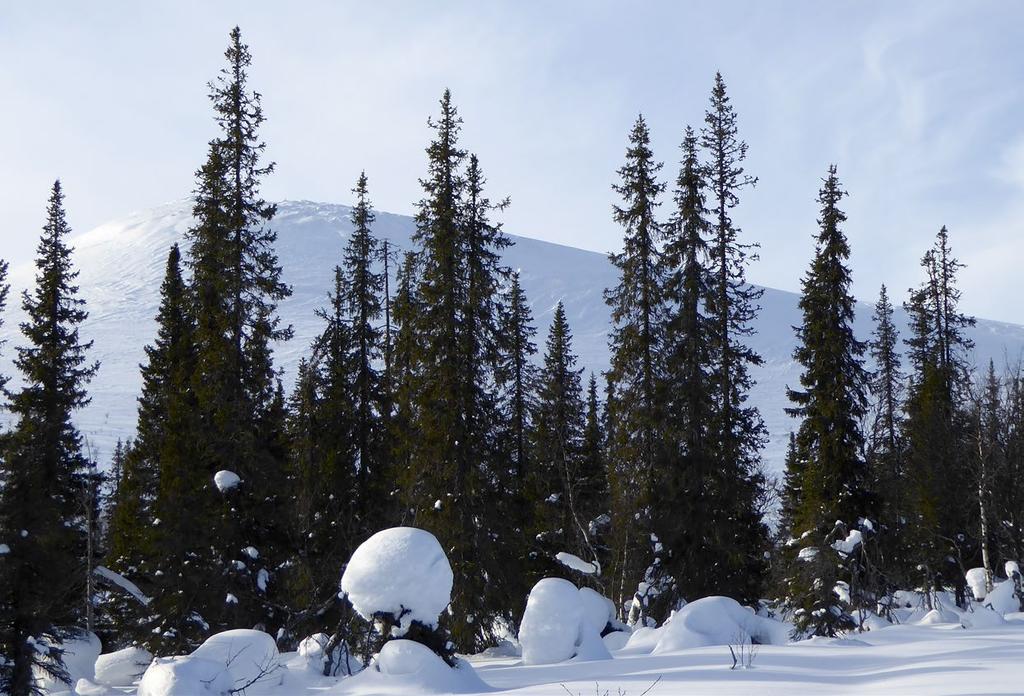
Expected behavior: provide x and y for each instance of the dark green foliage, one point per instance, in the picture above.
(43, 473)
(634, 442)
(829, 481)
(559, 519)
(935, 425)
(735, 427)
(688, 560)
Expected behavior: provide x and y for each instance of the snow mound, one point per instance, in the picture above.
(598, 610)
(408, 667)
(250, 657)
(124, 667)
(938, 616)
(718, 621)
(1003, 599)
(186, 676)
(79, 658)
(976, 578)
(556, 627)
(981, 617)
(401, 571)
(225, 480)
(85, 687)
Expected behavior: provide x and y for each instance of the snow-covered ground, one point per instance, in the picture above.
(122, 264)
(941, 658)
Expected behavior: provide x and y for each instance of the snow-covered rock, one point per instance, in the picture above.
(124, 667)
(226, 480)
(186, 676)
(250, 657)
(79, 659)
(718, 621)
(555, 625)
(402, 571)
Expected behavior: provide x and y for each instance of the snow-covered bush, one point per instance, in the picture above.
(557, 625)
(229, 662)
(124, 667)
(977, 578)
(79, 659)
(598, 610)
(250, 656)
(312, 652)
(408, 667)
(718, 621)
(186, 676)
(401, 578)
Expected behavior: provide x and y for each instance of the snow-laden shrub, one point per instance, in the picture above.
(598, 610)
(556, 626)
(123, 667)
(981, 617)
(718, 621)
(79, 657)
(1003, 598)
(408, 667)
(249, 656)
(976, 580)
(226, 480)
(402, 572)
(186, 676)
(312, 651)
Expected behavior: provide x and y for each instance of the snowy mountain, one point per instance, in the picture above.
(122, 265)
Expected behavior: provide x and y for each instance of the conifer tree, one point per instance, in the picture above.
(935, 427)
(635, 344)
(558, 445)
(517, 373)
(592, 479)
(885, 442)
(236, 283)
(736, 428)
(364, 303)
(687, 562)
(43, 474)
(831, 404)
(5, 289)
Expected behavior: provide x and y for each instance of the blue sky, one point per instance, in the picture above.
(920, 104)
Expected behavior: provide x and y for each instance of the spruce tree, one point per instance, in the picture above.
(830, 405)
(635, 345)
(236, 284)
(43, 475)
(454, 487)
(736, 428)
(885, 443)
(5, 290)
(561, 523)
(688, 561)
(364, 303)
(150, 537)
(935, 427)
(517, 374)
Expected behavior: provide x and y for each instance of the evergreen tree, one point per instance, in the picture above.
(558, 433)
(936, 424)
(635, 345)
(363, 302)
(736, 428)
(236, 284)
(149, 530)
(455, 483)
(43, 474)
(831, 405)
(517, 374)
(687, 563)
(5, 289)
(885, 444)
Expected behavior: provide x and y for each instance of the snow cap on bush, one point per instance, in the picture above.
(402, 571)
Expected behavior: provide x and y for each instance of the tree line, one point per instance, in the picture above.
(425, 401)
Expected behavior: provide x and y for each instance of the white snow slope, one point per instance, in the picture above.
(122, 265)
